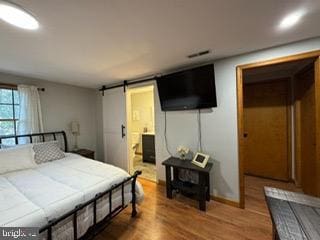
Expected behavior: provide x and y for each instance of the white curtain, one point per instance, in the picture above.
(30, 116)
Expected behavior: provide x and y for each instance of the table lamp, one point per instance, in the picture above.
(75, 130)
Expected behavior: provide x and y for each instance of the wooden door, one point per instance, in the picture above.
(114, 122)
(266, 129)
(317, 106)
(306, 129)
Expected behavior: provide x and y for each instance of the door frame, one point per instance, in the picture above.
(129, 91)
(240, 115)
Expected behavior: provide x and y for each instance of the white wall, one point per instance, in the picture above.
(219, 126)
(99, 127)
(63, 103)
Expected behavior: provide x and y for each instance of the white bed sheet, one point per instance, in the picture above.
(54, 188)
(53, 197)
(82, 174)
(16, 209)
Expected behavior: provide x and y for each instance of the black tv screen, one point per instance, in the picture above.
(190, 89)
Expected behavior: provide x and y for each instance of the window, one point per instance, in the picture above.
(9, 110)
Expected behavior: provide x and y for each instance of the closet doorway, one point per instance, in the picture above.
(267, 128)
(279, 126)
(141, 131)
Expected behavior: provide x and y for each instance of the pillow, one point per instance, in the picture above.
(47, 151)
(16, 158)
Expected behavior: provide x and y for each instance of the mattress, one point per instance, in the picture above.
(33, 197)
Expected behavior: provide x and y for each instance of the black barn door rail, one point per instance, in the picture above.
(124, 84)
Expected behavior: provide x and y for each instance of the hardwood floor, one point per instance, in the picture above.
(254, 195)
(179, 218)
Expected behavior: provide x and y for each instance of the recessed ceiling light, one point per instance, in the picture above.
(17, 16)
(291, 19)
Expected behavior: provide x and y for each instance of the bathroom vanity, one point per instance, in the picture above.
(148, 148)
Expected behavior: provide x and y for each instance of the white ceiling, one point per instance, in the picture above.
(94, 42)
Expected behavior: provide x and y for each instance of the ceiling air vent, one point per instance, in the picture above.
(198, 54)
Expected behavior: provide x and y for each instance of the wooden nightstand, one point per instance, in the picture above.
(201, 190)
(85, 153)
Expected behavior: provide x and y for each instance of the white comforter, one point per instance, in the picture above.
(35, 196)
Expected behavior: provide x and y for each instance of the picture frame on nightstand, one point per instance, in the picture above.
(200, 159)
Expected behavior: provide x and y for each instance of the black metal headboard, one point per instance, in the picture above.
(42, 137)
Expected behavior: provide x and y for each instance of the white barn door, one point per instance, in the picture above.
(114, 127)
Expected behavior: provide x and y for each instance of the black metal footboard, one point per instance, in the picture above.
(97, 226)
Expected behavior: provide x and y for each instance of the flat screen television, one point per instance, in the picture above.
(189, 89)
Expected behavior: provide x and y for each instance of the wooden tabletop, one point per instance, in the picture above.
(294, 215)
(83, 151)
(186, 164)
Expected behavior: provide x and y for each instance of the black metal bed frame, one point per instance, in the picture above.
(42, 139)
(97, 226)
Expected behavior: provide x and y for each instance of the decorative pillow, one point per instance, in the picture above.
(47, 151)
(16, 158)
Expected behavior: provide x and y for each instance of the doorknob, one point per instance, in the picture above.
(123, 134)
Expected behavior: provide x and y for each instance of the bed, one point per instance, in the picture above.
(69, 198)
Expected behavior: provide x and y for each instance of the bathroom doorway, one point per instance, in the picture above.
(141, 131)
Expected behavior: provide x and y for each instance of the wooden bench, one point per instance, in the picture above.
(294, 215)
